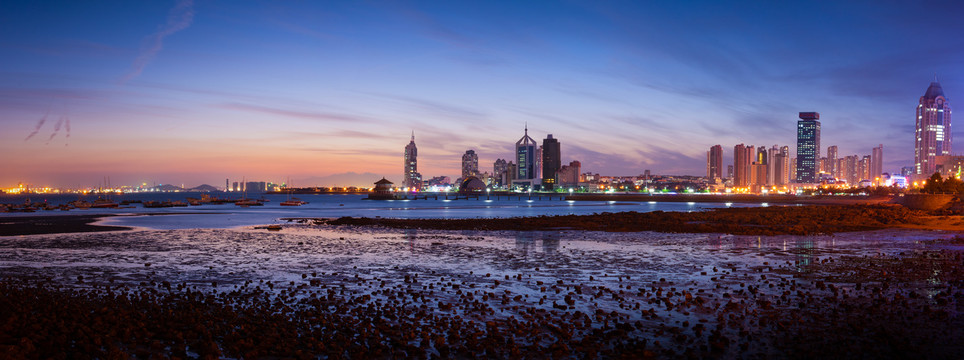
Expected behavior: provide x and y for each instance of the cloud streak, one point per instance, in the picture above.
(292, 113)
(57, 126)
(178, 19)
(39, 125)
(67, 137)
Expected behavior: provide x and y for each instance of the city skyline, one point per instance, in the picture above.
(195, 92)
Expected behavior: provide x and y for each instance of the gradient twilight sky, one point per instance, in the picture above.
(196, 92)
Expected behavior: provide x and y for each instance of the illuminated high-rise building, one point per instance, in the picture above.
(551, 161)
(470, 164)
(763, 159)
(831, 167)
(525, 156)
(500, 170)
(808, 146)
(780, 165)
(933, 129)
(742, 159)
(411, 179)
(714, 162)
(877, 164)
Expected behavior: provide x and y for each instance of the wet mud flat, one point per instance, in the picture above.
(350, 292)
(31, 225)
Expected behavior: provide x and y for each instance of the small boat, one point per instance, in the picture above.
(104, 203)
(80, 204)
(248, 202)
(293, 202)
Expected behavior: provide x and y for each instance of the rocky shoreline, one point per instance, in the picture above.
(774, 220)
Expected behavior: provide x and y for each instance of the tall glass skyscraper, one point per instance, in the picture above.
(808, 146)
(412, 179)
(525, 155)
(714, 162)
(933, 129)
(551, 161)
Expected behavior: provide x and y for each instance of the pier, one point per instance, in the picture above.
(480, 196)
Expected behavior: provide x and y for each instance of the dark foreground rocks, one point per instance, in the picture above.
(887, 306)
(776, 220)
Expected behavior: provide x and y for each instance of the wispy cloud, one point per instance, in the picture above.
(40, 124)
(292, 113)
(67, 127)
(178, 19)
(57, 126)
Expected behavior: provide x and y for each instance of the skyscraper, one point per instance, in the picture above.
(742, 158)
(714, 162)
(780, 165)
(411, 179)
(762, 159)
(808, 146)
(525, 152)
(499, 170)
(470, 164)
(877, 164)
(933, 129)
(831, 161)
(551, 161)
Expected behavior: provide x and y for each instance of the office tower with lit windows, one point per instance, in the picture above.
(863, 169)
(808, 146)
(714, 162)
(780, 165)
(470, 164)
(525, 156)
(742, 159)
(831, 167)
(933, 135)
(762, 158)
(499, 171)
(551, 161)
(877, 164)
(411, 179)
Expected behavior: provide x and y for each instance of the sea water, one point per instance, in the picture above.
(333, 206)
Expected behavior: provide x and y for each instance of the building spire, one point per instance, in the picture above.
(527, 128)
(413, 135)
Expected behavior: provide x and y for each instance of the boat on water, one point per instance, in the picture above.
(293, 202)
(249, 202)
(102, 203)
(80, 204)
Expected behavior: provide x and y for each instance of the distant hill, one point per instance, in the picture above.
(204, 187)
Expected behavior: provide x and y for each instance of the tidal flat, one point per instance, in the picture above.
(349, 291)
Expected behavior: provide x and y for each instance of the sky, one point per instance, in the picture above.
(329, 92)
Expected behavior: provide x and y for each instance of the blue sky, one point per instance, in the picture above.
(195, 92)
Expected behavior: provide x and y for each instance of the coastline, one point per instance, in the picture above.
(783, 220)
(737, 198)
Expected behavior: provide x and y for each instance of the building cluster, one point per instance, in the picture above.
(775, 169)
(252, 186)
(534, 167)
